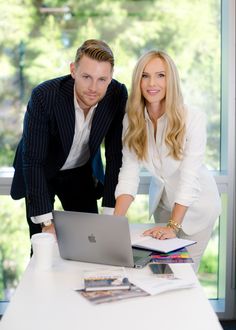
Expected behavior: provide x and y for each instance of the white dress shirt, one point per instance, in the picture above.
(79, 152)
(186, 182)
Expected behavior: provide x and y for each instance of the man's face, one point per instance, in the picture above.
(91, 81)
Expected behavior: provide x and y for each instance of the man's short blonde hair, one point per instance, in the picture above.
(95, 49)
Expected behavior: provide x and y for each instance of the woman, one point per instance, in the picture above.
(161, 134)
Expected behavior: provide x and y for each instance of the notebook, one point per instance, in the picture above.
(96, 238)
(164, 246)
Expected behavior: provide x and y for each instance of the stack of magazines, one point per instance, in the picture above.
(102, 286)
(106, 280)
(178, 256)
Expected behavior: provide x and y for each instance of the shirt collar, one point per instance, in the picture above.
(147, 118)
(146, 115)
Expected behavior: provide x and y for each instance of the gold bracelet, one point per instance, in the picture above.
(174, 225)
(175, 229)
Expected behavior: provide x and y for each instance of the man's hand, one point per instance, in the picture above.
(49, 229)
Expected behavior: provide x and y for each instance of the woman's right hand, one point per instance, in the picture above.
(160, 232)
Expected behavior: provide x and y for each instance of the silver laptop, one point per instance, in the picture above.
(103, 239)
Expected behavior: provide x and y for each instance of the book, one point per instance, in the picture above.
(101, 280)
(107, 296)
(178, 256)
(155, 244)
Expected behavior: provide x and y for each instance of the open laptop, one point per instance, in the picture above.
(103, 239)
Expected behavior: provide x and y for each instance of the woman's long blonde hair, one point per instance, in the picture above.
(136, 134)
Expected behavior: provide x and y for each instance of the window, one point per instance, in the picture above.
(179, 27)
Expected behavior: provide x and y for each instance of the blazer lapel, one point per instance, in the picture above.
(101, 121)
(65, 114)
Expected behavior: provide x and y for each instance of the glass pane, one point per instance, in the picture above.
(212, 272)
(138, 211)
(208, 271)
(14, 244)
(188, 30)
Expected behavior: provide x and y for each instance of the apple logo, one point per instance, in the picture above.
(92, 238)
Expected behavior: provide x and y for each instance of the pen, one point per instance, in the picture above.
(126, 281)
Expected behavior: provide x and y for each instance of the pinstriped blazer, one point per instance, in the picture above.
(48, 135)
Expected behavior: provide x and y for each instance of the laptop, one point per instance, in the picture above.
(96, 238)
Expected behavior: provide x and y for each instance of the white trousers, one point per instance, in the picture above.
(202, 238)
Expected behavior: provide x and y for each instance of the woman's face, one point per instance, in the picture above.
(153, 81)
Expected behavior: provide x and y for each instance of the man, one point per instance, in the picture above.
(66, 121)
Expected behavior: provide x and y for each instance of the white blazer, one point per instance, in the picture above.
(186, 182)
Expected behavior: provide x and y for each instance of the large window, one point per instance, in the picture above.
(43, 43)
(38, 41)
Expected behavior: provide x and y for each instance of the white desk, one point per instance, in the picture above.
(47, 301)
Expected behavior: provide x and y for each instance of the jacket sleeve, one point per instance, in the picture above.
(34, 150)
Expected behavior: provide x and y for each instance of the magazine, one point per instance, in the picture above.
(105, 279)
(99, 297)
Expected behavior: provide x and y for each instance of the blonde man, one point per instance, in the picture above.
(66, 121)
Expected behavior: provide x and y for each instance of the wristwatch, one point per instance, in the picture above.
(46, 223)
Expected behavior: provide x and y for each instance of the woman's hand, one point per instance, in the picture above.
(160, 232)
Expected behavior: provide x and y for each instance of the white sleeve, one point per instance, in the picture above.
(193, 158)
(41, 218)
(128, 180)
(108, 210)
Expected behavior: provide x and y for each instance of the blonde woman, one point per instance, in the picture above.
(161, 134)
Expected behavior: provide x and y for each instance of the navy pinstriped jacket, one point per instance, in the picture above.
(48, 135)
